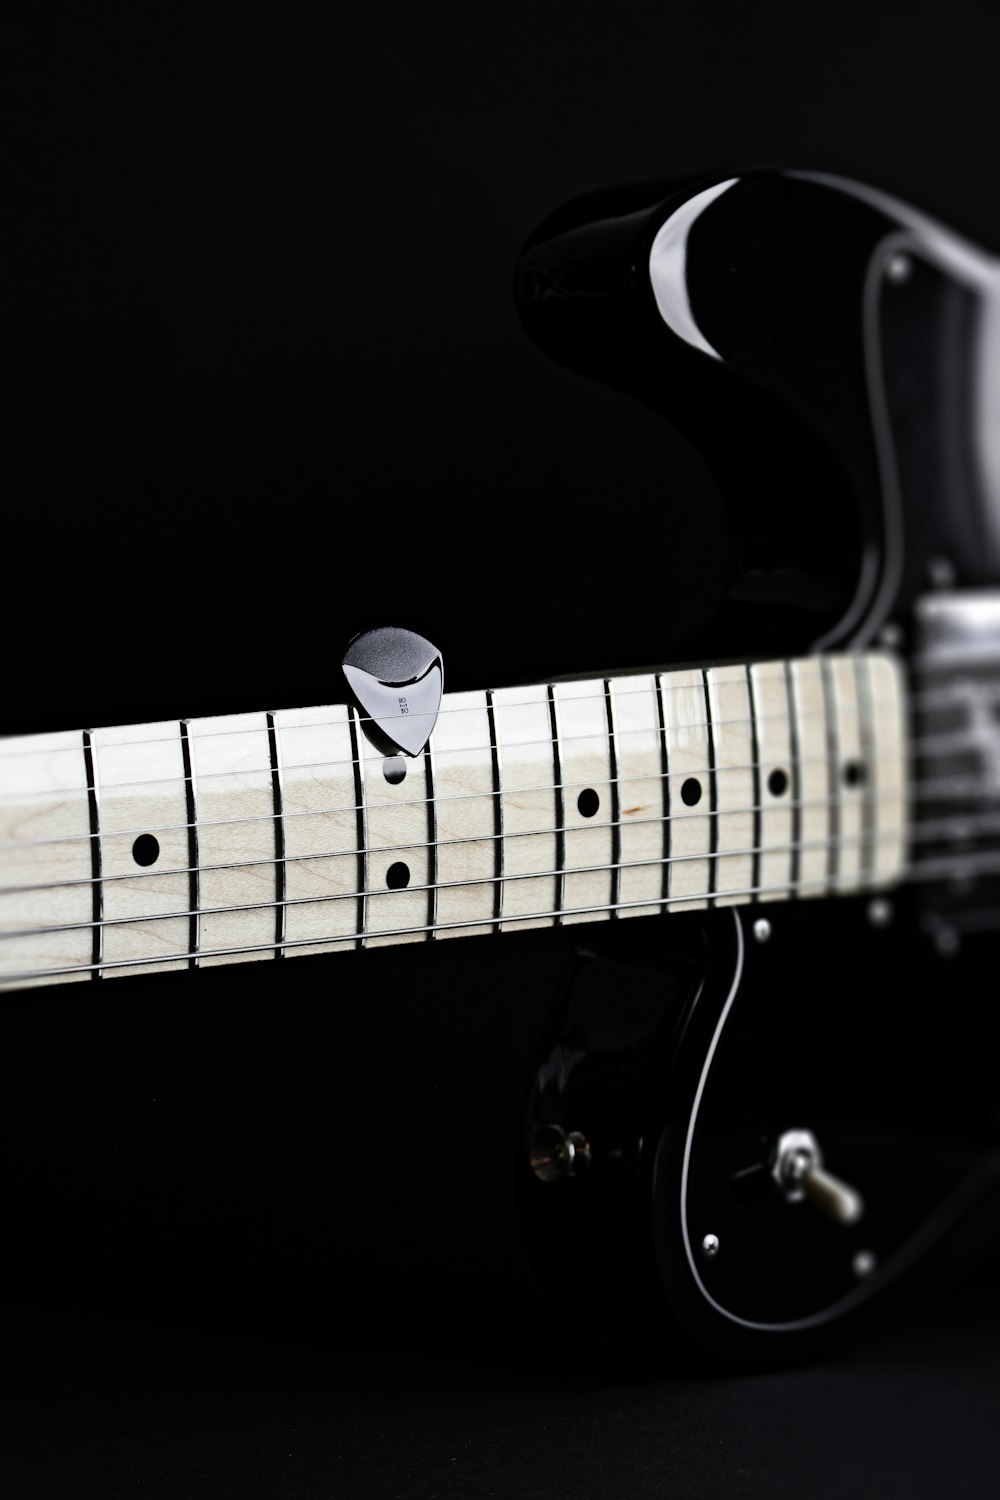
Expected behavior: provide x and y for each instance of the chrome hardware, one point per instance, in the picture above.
(864, 1263)
(710, 1246)
(941, 573)
(879, 912)
(958, 630)
(958, 732)
(397, 678)
(762, 929)
(798, 1171)
(899, 268)
(556, 1154)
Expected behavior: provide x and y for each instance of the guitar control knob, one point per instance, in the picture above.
(799, 1172)
(556, 1153)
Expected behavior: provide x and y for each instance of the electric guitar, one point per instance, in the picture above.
(767, 1149)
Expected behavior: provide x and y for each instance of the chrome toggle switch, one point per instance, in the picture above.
(556, 1153)
(798, 1170)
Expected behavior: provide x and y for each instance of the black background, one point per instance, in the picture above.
(265, 386)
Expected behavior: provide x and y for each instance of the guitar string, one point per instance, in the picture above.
(944, 792)
(961, 828)
(342, 723)
(952, 697)
(859, 840)
(914, 749)
(446, 711)
(598, 735)
(951, 789)
(944, 870)
(966, 785)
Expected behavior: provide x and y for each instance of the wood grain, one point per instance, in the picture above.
(533, 805)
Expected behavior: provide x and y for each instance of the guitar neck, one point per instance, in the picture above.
(265, 835)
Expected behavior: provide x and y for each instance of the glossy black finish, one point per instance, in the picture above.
(896, 1085)
(891, 1082)
(241, 1145)
(818, 344)
(609, 1037)
(828, 394)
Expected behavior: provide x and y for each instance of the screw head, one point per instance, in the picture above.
(864, 1263)
(879, 912)
(947, 941)
(762, 929)
(891, 636)
(941, 573)
(899, 268)
(710, 1246)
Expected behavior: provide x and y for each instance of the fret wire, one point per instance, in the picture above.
(943, 870)
(796, 799)
(668, 835)
(479, 880)
(713, 796)
(361, 813)
(96, 852)
(148, 874)
(756, 765)
(560, 812)
(194, 873)
(280, 879)
(498, 823)
(616, 822)
(867, 738)
(833, 762)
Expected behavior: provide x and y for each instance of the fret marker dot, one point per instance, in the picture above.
(777, 783)
(397, 877)
(145, 850)
(394, 769)
(691, 792)
(588, 802)
(854, 773)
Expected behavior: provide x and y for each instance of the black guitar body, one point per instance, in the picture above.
(820, 1026)
(824, 349)
(344, 1144)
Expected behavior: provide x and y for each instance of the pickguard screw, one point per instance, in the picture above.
(941, 573)
(891, 636)
(879, 912)
(899, 268)
(864, 1263)
(710, 1246)
(762, 929)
